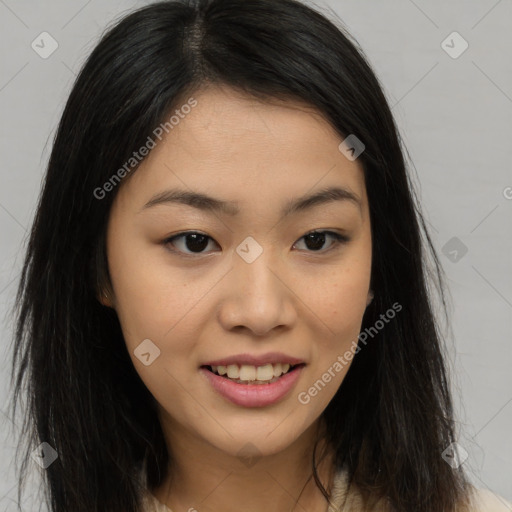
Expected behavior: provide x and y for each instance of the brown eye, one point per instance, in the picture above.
(192, 241)
(316, 240)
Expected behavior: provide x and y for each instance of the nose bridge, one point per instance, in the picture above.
(259, 276)
(257, 296)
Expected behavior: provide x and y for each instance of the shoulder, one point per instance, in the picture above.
(151, 504)
(484, 500)
(481, 500)
(148, 501)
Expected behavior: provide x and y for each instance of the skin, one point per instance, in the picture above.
(294, 298)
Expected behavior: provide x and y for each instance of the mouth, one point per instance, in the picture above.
(253, 386)
(253, 375)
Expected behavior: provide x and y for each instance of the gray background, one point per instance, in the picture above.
(454, 115)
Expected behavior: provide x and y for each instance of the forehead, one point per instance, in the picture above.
(241, 148)
(227, 123)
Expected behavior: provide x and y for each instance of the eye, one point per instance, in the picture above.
(316, 239)
(196, 242)
(193, 241)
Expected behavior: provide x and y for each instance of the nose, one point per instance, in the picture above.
(258, 297)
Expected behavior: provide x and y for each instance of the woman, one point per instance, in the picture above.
(224, 300)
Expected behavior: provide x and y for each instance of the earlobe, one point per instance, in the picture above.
(104, 299)
(370, 297)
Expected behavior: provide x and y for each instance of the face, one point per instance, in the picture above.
(248, 278)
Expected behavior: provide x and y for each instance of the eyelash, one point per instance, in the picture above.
(338, 238)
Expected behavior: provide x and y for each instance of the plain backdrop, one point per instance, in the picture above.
(453, 106)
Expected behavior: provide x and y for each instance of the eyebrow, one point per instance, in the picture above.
(211, 204)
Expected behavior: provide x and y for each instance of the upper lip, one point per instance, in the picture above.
(248, 359)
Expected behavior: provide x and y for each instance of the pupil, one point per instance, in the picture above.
(314, 237)
(199, 242)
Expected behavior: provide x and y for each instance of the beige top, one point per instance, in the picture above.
(483, 500)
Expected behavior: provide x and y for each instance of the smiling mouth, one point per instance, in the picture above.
(247, 374)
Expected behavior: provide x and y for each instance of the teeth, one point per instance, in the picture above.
(233, 371)
(248, 372)
(265, 372)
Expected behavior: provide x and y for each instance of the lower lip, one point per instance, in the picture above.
(253, 395)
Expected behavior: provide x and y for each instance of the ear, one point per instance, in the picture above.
(369, 298)
(104, 299)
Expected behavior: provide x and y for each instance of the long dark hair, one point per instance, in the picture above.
(85, 398)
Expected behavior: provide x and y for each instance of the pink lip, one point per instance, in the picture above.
(253, 395)
(270, 357)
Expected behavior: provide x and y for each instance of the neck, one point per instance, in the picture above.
(205, 478)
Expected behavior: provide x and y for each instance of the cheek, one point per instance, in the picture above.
(162, 304)
(155, 320)
(151, 298)
(340, 304)
(342, 301)
(347, 314)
